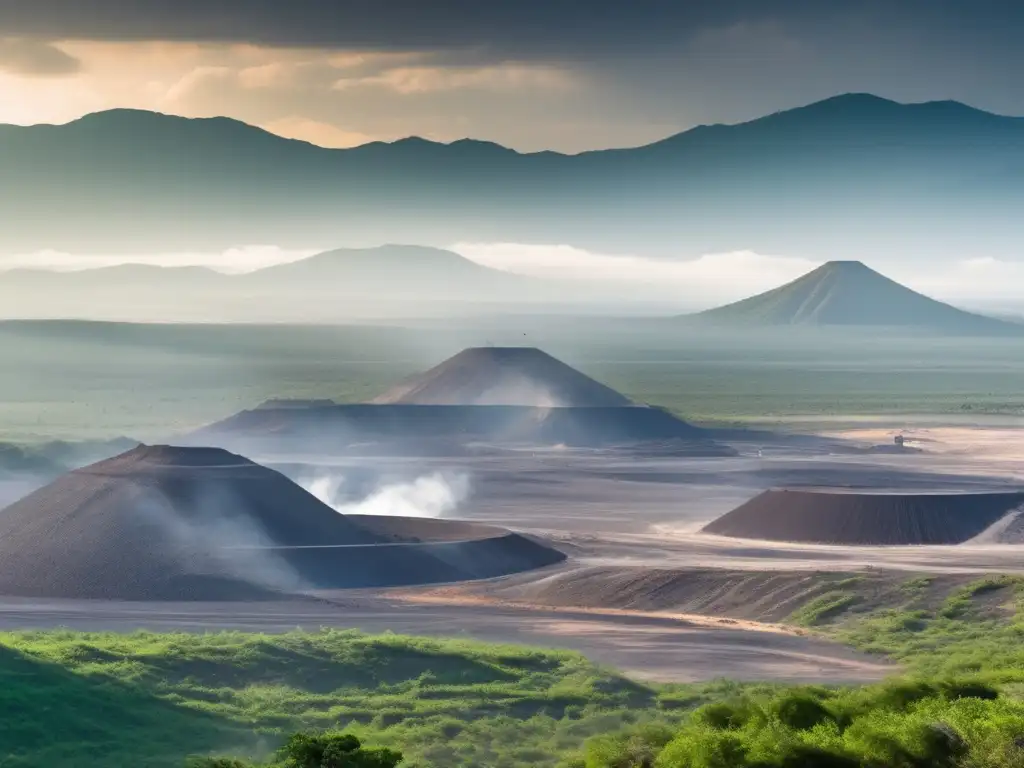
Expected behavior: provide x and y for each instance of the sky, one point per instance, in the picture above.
(568, 75)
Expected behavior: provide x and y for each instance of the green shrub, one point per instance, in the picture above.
(633, 748)
(703, 748)
(334, 750)
(801, 711)
(968, 689)
(724, 715)
(804, 756)
(899, 724)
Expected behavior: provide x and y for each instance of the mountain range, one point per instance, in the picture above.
(407, 281)
(851, 294)
(838, 178)
(341, 284)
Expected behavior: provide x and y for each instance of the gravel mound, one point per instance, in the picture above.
(172, 523)
(830, 517)
(504, 376)
(497, 396)
(441, 429)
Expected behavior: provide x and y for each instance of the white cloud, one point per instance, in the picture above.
(981, 279)
(710, 279)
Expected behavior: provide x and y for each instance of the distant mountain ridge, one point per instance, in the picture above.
(388, 279)
(845, 175)
(849, 293)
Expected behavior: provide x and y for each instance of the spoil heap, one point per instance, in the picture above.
(504, 376)
(170, 523)
(492, 395)
(832, 517)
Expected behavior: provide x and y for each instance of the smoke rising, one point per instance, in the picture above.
(435, 495)
(516, 389)
(224, 539)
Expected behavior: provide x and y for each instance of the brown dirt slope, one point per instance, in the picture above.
(760, 596)
(831, 517)
(504, 376)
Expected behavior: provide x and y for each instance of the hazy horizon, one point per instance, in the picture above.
(698, 283)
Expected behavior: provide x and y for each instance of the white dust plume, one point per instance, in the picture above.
(437, 494)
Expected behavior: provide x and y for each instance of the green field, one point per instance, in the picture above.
(73, 699)
(75, 380)
(69, 699)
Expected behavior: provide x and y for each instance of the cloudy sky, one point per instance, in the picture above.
(532, 74)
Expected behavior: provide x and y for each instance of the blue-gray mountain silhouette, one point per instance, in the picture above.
(845, 175)
(849, 293)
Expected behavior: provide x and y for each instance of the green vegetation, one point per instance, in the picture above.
(960, 642)
(317, 750)
(822, 608)
(901, 724)
(977, 629)
(107, 700)
(230, 700)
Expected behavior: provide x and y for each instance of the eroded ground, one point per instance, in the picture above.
(643, 590)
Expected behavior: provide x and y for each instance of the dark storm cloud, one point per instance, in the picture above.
(548, 28)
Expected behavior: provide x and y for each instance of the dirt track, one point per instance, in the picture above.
(625, 516)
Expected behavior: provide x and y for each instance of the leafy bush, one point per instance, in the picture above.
(334, 750)
(904, 724)
(801, 712)
(633, 748)
(724, 715)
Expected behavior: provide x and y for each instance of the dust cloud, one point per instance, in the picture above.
(223, 535)
(434, 495)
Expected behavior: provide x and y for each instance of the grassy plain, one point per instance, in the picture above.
(73, 380)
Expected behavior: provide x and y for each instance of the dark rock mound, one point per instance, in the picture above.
(171, 523)
(497, 396)
(430, 429)
(504, 376)
(834, 517)
(422, 551)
